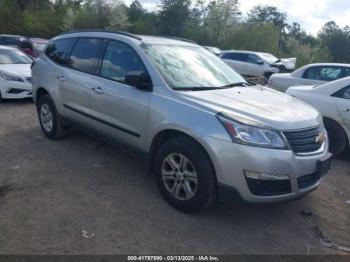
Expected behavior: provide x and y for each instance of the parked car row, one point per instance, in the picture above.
(206, 132)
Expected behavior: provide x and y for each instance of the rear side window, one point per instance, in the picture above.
(346, 72)
(87, 55)
(323, 73)
(235, 56)
(59, 50)
(6, 40)
(119, 60)
(343, 93)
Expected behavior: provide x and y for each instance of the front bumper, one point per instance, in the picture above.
(15, 90)
(230, 161)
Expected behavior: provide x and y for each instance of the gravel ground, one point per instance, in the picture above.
(80, 196)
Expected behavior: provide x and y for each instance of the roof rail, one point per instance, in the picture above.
(103, 31)
(181, 39)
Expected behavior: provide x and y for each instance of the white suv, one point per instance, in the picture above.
(206, 133)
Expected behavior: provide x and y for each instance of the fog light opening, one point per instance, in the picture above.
(265, 176)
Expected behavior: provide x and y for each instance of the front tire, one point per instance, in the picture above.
(185, 175)
(50, 120)
(337, 137)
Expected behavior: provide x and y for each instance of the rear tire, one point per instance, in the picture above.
(50, 120)
(337, 137)
(194, 176)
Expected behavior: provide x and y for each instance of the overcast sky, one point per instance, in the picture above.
(311, 14)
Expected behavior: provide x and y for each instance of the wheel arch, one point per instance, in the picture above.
(40, 92)
(164, 135)
(335, 122)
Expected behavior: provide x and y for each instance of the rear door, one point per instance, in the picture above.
(77, 80)
(343, 104)
(120, 110)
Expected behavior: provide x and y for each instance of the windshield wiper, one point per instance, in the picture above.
(235, 84)
(194, 88)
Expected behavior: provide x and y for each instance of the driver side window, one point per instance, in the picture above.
(119, 60)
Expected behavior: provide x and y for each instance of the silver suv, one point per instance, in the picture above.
(206, 132)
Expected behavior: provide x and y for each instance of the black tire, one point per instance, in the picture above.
(57, 131)
(206, 193)
(337, 137)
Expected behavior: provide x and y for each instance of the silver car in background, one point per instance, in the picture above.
(207, 134)
(312, 74)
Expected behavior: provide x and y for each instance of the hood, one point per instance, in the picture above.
(289, 63)
(22, 70)
(258, 103)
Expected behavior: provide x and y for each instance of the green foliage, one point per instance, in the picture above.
(336, 41)
(214, 22)
(172, 16)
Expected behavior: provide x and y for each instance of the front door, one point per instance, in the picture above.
(121, 110)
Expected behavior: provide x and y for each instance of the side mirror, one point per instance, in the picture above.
(139, 79)
(260, 62)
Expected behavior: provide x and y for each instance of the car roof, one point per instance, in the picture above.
(5, 47)
(328, 64)
(241, 51)
(146, 39)
(16, 36)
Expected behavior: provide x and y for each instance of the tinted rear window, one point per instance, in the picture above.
(87, 55)
(59, 50)
(326, 73)
(7, 40)
(235, 56)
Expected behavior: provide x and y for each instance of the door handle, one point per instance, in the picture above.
(98, 90)
(61, 78)
(347, 110)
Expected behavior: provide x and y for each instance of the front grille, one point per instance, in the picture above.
(268, 188)
(309, 180)
(304, 141)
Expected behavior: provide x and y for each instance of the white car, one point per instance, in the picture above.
(15, 74)
(313, 74)
(248, 63)
(333, 101)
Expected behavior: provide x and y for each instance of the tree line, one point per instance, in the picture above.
(216, 23)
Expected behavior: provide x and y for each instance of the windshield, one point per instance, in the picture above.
(270, 59)
(191, 67)
(8, 56)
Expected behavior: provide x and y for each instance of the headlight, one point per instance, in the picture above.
(251, 135)
(9, 77)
